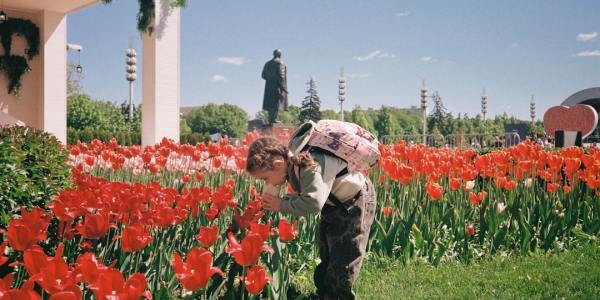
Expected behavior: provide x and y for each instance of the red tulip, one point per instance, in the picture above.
(199, 176)
(94, 226)
(26, 291)
(35, 260)
(248, 252)
(213, 149)
(134, 238)
(470, 230)
(552, 187)
(208, 235)
(20, 236)
(264, 230)
(27, 231)
(476, 199)
(55, 276)
(196, 271)
(3, 259)
(287, 232)
(434, 190)
(87, 268)
(256, 279)
(112, 285)
(455, 184)
(386, 211)
(251, 214)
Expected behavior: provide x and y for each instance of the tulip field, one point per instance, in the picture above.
(174, 221)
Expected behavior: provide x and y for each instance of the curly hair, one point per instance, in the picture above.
(263, 151)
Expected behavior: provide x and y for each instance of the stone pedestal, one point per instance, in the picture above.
(282, 132)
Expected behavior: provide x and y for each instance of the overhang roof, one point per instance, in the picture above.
(63, 6)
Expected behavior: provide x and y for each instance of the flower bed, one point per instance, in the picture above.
(185, 221)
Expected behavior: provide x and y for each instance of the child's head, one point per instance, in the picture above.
(268, 160)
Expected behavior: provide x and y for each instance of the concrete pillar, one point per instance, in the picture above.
(160, 76)
(53, 112)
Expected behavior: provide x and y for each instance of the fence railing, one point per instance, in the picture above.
(432, 140)
(484, 140)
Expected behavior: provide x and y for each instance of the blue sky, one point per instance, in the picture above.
(548, 48)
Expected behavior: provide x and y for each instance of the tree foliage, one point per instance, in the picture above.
(85, 113)
(311, 105)
(360, 117)
(227, 119)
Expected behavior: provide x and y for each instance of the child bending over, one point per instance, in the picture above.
(322, 184)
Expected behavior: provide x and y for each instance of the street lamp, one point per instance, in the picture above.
(424, 108)
(342, 93)
(131, 76)
(484, 104)
(532, 109)
(78, 48)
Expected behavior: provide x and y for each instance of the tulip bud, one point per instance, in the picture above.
(528, 182)
(470, 230)
(500, 207)
(469, 185)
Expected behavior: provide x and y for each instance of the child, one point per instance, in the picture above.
(320, 180)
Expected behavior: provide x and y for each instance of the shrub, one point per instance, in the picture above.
(33, 168)
(125, 138)
(193, 138)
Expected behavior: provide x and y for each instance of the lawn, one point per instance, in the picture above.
(572, 274)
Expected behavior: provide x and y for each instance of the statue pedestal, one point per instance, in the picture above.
(282, 132)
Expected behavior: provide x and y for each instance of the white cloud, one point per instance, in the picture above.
(373, 55)
(218, 78)
(358, 75)
(426, 58)
(515, 45)
(584, 37)
(231, 60)
(589, 53)
(403, 14)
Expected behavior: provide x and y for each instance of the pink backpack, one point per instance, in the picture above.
(348, 141)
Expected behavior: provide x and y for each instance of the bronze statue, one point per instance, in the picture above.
(275, 98)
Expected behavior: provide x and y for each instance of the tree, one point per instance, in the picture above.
(291, 116)
(438, 114)
(329, 114)
(183, 126)
(386, 123)
(360, 118)
(85, 113)
(311, 105)
(227, 119)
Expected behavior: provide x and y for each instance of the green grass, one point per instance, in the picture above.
(573, 274)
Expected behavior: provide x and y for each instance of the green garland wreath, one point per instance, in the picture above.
(15, 66)
(146, 13)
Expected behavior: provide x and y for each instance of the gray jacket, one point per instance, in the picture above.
(315, 184)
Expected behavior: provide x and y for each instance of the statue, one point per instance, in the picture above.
(275, 98)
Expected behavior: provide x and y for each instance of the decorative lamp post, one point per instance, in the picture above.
(532, 109)
(484, 104)
(424, 108)
(78, 48)
(131, 76)
(342, 93)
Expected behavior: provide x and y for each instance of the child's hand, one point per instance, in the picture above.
(270, 202)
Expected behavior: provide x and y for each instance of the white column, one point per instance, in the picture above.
(160, 76)
(53, 112)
